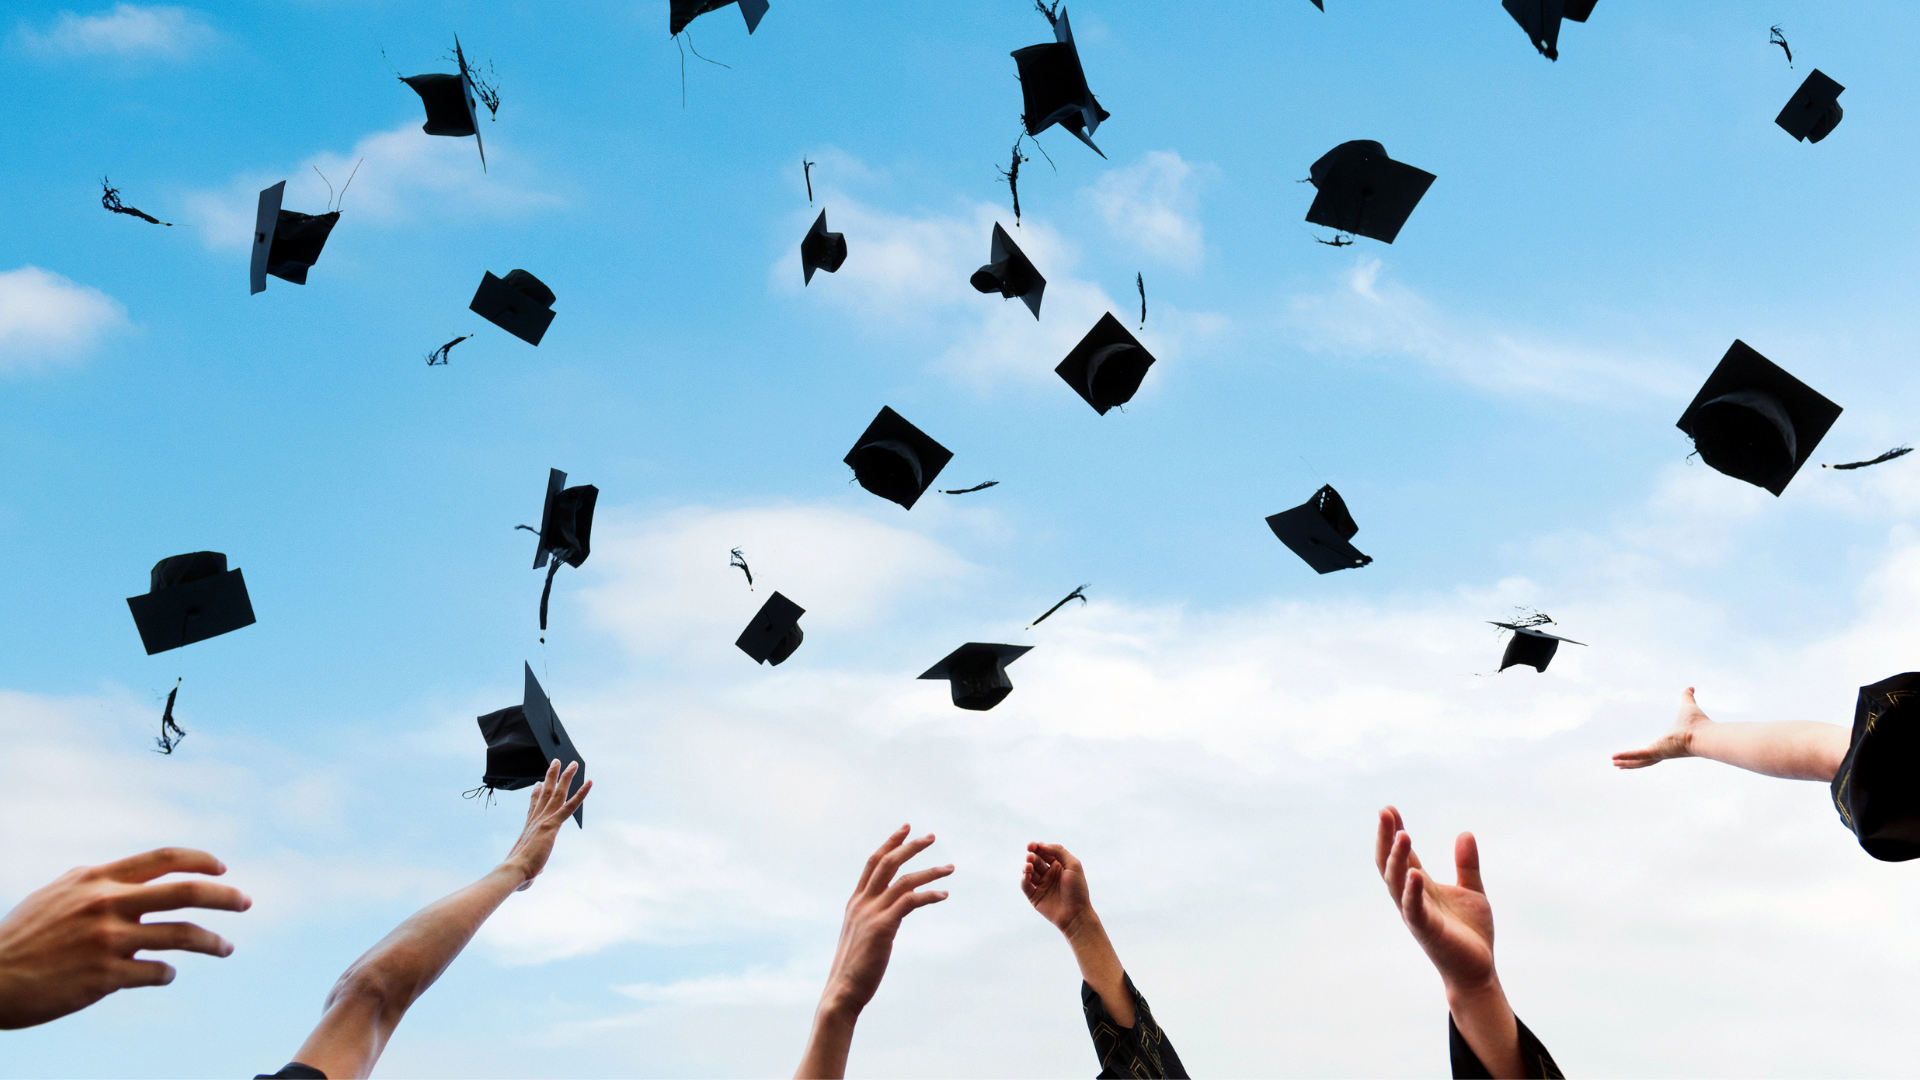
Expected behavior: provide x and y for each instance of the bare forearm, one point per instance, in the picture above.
(1790, 749)
(421, 948)
(1100, 966)
(828, 1045)
(1486, 1021)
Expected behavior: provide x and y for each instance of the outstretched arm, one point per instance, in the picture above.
(378, 989)
(71, 943)
(1454, 925)
(1056, 885)
(1789, 749)
(866, 944)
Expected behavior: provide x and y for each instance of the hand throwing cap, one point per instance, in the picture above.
(1010, 274)
(1755, 422)
(1363, 191)
(774, 632)
(1541, 20)
(519, 303)
(1055, 87)
(822, 250)
(523, 739)
(978, 673)
(190, 598)
(1530, 648)
(685, 11)
(895, 460)
(1814, 110)
(1874, 789)
(566, 521)
(1318, 530)
(286, 244)
(1107, 366)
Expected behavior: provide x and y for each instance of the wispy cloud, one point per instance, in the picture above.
(161, 31)
(45, 319)
(1154, 203)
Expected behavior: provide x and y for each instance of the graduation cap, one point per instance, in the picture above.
(822, 250)
(1873, 788)
(190, 598)
(1055, 86)
(774, 632)
(522, 740)
(566, 529)
(1755, 422)
(895, 460)
(286, 244)
(1363, 191)
(685, 11)
(1531, 648)
(451, 106)
(1814, 110)
(519, 303)
(978, 673)
(1107, 366)
(1541, 20)
(1010, 274)
(1318, 530)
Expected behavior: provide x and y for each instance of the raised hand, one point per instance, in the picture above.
(71, 943)
(1056, 885)
(547, 810)
(1452, 923)
(1674, 744)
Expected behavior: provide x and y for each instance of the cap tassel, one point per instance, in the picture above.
(547, 590)
(170, 731)
(483, 789)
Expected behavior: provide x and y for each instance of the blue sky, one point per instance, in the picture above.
(1494, 395)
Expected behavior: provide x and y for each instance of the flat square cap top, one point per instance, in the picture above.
(1318, 531)
(895, 460)
(1755, 422)
(555, 744)
(1360, 190)
(774, 632)
(977, 672)
(822, 250)
(566, 521)
(1108, 365)
(1814, 110)
(519, 303)
(1053, 87)
(1010, 273)
(683, 12)
(190, 598)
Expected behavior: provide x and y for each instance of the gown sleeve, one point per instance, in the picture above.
(1533, 1056)
(1141, 1051)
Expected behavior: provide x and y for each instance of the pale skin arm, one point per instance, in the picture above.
(1454, 925)
(377, 990)
(72, 943)
(1056, 885)
(874, 912)
(1789, 749)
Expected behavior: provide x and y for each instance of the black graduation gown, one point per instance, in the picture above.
(1874, 789)
(1141, 1051)
(1533, 1056)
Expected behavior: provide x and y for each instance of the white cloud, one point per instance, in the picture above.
(47, 319)
(1369, 315)
(403, 174)
(127, 30)
(1154, 203)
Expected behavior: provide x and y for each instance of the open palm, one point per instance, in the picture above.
(1453, 923)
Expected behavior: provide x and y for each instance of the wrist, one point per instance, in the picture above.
(1083, 926)
(838, 1011)
(1470, 995)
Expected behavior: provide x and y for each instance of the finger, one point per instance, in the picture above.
(890, 863)
(177, 935)
(1634, 759)
(1686, 698)
(180, 894)
(1413, 904)
(1383, 836)
(1396, 868)
(914, 901)
(567, 808)
(166, 860)
(127, 973)
(1466, 863)
(910, 882)
(873, 860)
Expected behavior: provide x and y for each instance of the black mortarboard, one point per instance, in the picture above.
(774, 632)
(1010, 273)
(1755, 422)
(978, 673)
(1363, 191)
(1318, 530)
(523, 739)
(1529, 647)
(822, 250)
(519, 303)
(1107, 366)
(190, 598)
(286, 244)
(1055, 87)
(1541, 20)
(895, 460)
(566, 530)
(451, 107)
(1873, 788)
(685, 11)
(1814, 110)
